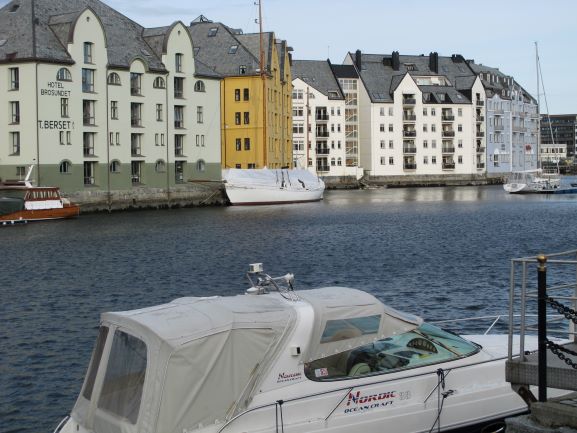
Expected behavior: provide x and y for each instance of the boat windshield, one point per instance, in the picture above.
(422, 346)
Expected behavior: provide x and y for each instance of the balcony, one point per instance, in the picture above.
(410, 165)
(409, 149)
(322, 117)
(323, 168)
(519, 129)
(499, 128)
(448, 165)
(480, 103)
(498, 112)
(88, 120)
(89, 150)
(480, 165)
(323, 150)
(480, 149)
(135, 150)
(409, 118)
(409, 101)
(448, 118)
(480, 118)
(322, 134)
(480, 134)
(448, 149)
(409, 133)
(448, 133)
(136, 121)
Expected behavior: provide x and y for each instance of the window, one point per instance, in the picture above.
(14, 78)
(87, 80)
(199, 114)
(390, 127)
(247, 144)
(178, 116)
(339, 161)
(160, 166)
(434, 144)
(391, 160)
(460, 144)
(423, 346)
(20, 172)
(425, 144)
(212, 31)
(135, 114)
(15, 143)
(382, 127)
(199, 140)
(114, 110)
(15, 112)
(298, 128)
(298, 112)
(233, 49)
(390, 144)
(237, 94)
(425, 159)
(178, 62)
(297, 94)
(433, 127)
(63, 74)
(460, 159)
(245, 94)
(179, 171)
(135, 144)
(118, 138)
(425, 127)
(242, 69)
(115, 166)
(238, 144)
(424, 111)
(113, 79)
(391, 111)
(88, 112)
(95, 361)
(433, 159)
(382, 111)
(460, 127)
(201, 166)
(63, 138)
(88, 52)
(88, 143)
(89, 173)
(159, 114)
(333, 162)
(178, 87)
(135, 83)
(237, 118)
(433, 112)
(159, 83)
(179, 145)
(382, 144)
(383, 160)
(199, 86)
(65, 167)
(459, 112)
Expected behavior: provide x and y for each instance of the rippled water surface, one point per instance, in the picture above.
(437, 252)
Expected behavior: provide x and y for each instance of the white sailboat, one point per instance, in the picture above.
(264, 186)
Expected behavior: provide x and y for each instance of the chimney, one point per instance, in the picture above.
(396, 61)
(358, 61)
(434, 62)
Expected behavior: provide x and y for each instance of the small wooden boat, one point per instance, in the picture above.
(21, 202)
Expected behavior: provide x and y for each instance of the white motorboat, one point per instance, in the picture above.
(531, 181)
(271, 186)
(332, 359)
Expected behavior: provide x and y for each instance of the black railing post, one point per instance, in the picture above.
(542, 325)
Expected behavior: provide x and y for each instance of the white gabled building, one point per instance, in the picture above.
(419, 116)
(321, 138)
(106, 109)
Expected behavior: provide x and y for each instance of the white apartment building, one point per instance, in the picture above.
(101, 105)
(321, 136)
(418, 116)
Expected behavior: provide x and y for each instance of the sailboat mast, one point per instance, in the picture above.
(263, 79)
(538, 106)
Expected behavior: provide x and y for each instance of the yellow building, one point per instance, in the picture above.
(256, 111)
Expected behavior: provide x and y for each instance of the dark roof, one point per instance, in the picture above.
(345, 71)
(319, 75)
(53, 20)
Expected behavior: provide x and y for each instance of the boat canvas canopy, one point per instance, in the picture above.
(196, 348)
(348, 318)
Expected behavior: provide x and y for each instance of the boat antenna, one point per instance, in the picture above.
(264, 283)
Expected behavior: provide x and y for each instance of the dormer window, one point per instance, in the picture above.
(212, 31)
(233, 49)
(63, 74)
(242, 69)
(410, 66)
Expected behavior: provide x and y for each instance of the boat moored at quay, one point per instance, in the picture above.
(274, 359)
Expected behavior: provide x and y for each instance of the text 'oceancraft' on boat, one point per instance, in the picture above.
(274, 359)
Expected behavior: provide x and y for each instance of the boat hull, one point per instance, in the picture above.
(252, 196)
(40, 214)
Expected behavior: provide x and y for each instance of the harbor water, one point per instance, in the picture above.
(436, 252)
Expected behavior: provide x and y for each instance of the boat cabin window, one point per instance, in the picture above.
(95, 362)
(422, 346)
(124, 379)
(341, 329)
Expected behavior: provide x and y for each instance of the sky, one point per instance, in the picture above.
(496, 33)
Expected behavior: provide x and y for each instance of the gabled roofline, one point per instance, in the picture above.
(167, 35)
(73, 26)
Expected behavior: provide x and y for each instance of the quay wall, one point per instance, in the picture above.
(198, 194)
(350, 182)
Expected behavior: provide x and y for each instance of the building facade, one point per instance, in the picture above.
(418, 116)
(559, 132)
(102, 106)
(255, 108)
(320, 122)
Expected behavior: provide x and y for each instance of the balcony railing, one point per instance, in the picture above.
(323, 168)
(136, 121)
(499, 127)
(499, 112)
(480, 165)
(448, 165)
(448, 117)
(410, 165)
(480, 103)
(480, 149)
(409, 149)
(409, 133)
(89, 180)
(480, 134)
(409, 101)
(89, 150)
(135, 150)
(448, 133)
(410, 117)
(323, 151)
(480, 118)
(88, 120)
(448, 149)
(323, 134)
(322, 117)
(178, 151)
